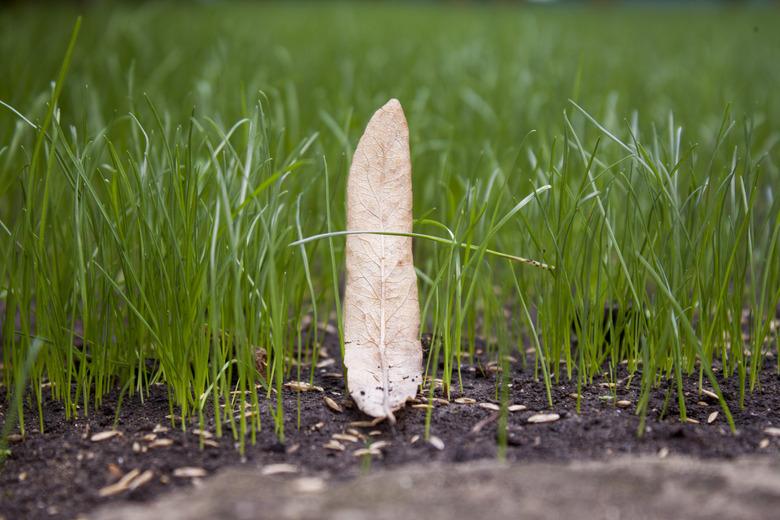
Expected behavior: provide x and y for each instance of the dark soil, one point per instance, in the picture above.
(58, 474)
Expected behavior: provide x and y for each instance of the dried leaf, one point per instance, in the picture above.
(383, 353)
(543, 418)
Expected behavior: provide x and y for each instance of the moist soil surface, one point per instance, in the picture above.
(60, 473)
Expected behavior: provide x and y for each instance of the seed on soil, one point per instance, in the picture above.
(22, 476)
(414, 439)
(702, 403)
(333, 405)
(211, 443)
(367, 424)
(160, 429)
(763, 444)
(374, 433)
(366, 451)
(711, 417)
(517, 407)
(709, 393)
(543, 418)
(136, 447)
(15, 438)
(574, 395)
(149, 437)
(303, 386)
(772, 431)
(423, 406)
(691, 420)
(279, 469)
(317, 426)
(309, 485)
(607, 385)
(663, 453)
(345, 437)
(189, 472)
(131, 480)
(436, 442)
(489, 406)
(465, 400)
(161, 443)
(326, 363)
(379, 445)
(105, 435)
(203, 433)
(439, 400)
(333, 445)
(623, 403)
(293, 449)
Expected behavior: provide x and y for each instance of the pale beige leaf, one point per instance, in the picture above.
(383, 354)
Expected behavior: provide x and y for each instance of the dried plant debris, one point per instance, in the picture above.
(383, 353)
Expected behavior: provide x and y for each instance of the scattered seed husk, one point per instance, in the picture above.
(374, 433)
(702, 403)
(333, 445)
(423, 406)
(772, 431)
(309, 485)
(489, 406)
(136, 447)
(367, 424)
(517, 407)
(543, 418)
(663, 453)
(465, 400)
(105, 435)
(121, 485)
(160, 429)
(293, 449)
(203, 433)
(574, 395)
(607, 385)
(623, 403)
(317, 426)
(763, 444)
(303, 386)
(114, 470)
(414, 439)
(484, 422)
(353, 431)
(345, 437)
(378, 445)
(189, 472)
(15, 438)
(709, 393)
(161, 443)
(711, 417)
(278, 469)
(149, 437)
(366, 451)
(439, 400)
(22, 476)
(333, 405)
(436, 442)
(211, 443)
(691, 420)
(326, 363)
